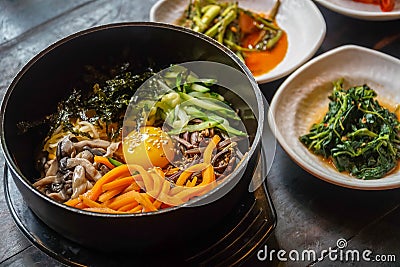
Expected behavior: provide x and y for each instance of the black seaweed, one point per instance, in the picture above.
(106, 102)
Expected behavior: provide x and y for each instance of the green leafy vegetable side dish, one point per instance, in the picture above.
(357, 133)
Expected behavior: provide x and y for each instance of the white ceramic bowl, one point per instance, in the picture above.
(361, 10)
(305, 94)
(302, 21)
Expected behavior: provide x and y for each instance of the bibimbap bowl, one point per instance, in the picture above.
(50, 77)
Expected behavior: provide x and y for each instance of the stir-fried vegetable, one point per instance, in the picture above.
(357, 133)
(230, 25)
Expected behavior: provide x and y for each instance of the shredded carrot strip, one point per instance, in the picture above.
(127, 181)
(159, 171)
(111, 193)
(122, 200)
(208, 175)
(172, 171)
(72, 202)
(148, 181)
(194, 181)
(157, 204)
(81, 205)
(137, 186)
(103, 160)
(113, 174)
(210, 147)
(145, 202)
(103, 210)
(191, 192)
(90, 203)
(136, 209)
(163, 196)
(188, 172)
(129, 206)
(149, 198)
(158, 182)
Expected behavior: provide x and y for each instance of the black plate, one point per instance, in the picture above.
(232, 242)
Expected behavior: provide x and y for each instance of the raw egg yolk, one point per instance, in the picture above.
(151, 147)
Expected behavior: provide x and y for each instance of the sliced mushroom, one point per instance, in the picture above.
(46, 181)
(86, 154)
(95, 151)
(92, 143)
(89, 168)
(63, 168)
(65, 148)
(112, 148)
(53, 168)
(79, 182)
(59, 196)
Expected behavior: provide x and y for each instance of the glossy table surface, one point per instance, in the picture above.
(311, 214)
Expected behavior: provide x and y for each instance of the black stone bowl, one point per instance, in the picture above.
(50, 76)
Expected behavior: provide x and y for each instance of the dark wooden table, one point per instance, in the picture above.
(312, 214)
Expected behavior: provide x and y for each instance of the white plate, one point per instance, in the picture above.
(301, 19)
(305, 94)
(361, 10)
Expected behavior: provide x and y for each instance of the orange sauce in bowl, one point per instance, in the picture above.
(264, 61)
(260, 62)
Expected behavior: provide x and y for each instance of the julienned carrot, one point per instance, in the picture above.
(165, 190)
(157, 204)
(111, 193)
(128, 206)
(103, 210)
(144, 201)
(191, 192)
(192, 183)
(104, 160)
(210, 147)
(72, 202)
(137, 186)
(188, 172)
(127, 181)
(136, 209)
(158, 182)
(201, 166)
(81, 205)
(147, 180)
(122, 200)
(113, 174)
(172, 171)
(90, 203)
(208, 175)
